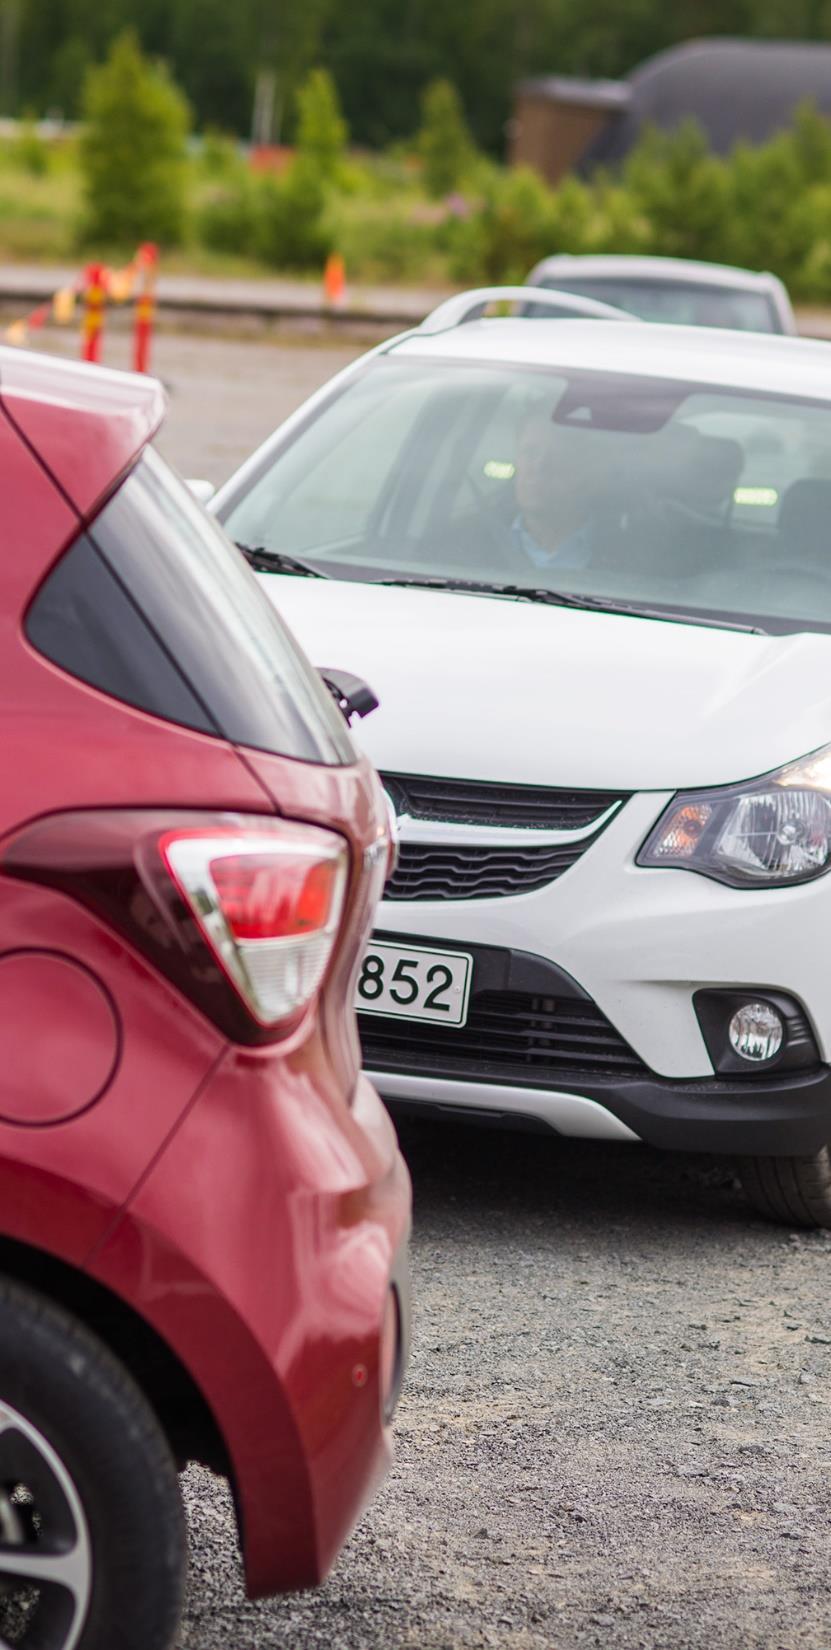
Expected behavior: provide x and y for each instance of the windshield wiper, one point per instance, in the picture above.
(276, 561)
(569, 598)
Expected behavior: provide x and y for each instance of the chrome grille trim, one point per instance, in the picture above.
(488, 802)
(465, 839)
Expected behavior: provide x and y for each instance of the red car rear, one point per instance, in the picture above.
(203, 1211)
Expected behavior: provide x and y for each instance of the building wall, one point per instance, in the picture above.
(552, 137)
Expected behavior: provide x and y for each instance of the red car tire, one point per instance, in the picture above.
(92, 1535)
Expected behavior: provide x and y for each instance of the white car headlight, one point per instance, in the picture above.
(762, 833)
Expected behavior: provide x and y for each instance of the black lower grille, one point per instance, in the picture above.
(436, 870)
(509, 1035)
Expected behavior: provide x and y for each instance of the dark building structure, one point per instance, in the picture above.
(737, 90)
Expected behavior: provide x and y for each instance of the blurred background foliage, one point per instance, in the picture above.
(381, 53)
(393, 117)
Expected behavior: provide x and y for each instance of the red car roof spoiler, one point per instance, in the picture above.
(87, 425)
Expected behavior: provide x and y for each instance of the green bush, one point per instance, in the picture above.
(809, 235)
(228, 218)
(768, 207)
(219, 155)
(132, 150)
(764, 208)
(764, 185)
(616, 222)
(572, 219)
(682, 190)
(512, 227)
(810, 139)
(29, 151)
(385, 242)
(291, 229)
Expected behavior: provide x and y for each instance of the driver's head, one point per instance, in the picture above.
(554, 467)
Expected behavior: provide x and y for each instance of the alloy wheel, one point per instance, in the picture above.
(45, 1549)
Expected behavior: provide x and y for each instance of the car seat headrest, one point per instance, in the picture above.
(805, 516)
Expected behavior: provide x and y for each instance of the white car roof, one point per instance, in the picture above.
(701, 355)
(664, 269)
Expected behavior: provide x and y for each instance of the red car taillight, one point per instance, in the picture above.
(240, 911)
(268, 904)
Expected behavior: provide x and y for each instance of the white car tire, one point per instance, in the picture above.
(795, 1191)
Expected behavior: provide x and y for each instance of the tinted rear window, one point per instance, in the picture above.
(157, 608)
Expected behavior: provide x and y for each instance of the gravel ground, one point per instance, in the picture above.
(615, 1429)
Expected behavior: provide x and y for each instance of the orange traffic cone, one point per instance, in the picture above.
(334, 280)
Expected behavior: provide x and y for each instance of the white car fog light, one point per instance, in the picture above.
(756, 1032)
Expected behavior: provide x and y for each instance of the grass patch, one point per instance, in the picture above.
(38, 211)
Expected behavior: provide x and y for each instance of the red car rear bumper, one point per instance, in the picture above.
(262, 1247)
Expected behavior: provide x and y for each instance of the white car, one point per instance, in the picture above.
(587, 570)
(677, 290)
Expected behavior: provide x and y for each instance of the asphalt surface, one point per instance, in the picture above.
(616, 1429)
(225, 394)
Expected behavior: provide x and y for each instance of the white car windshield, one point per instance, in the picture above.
(697, 499)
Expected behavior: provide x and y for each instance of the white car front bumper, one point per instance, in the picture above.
(639, 944)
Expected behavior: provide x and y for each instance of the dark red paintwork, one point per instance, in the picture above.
(249, 1203)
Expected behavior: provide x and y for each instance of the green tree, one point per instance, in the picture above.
(444, 142)
(682, 191)
(811, 139)
(133, 150)
(322, 132)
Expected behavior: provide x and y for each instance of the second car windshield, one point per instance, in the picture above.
(630, 489)
(680, 303)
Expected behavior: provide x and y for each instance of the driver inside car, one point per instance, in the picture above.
(566, 502)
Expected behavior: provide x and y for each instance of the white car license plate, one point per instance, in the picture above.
(406, 983)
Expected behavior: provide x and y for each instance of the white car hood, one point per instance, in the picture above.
(490, 688)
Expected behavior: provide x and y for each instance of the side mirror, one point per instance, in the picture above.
(203, 490)
(351, 694)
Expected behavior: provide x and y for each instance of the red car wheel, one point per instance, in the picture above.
(91, 1523)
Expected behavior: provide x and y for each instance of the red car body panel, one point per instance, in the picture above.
(307, 1274)
(87, 429)
(249, 1203)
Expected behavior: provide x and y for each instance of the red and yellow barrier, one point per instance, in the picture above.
(147, 263)
(97, 288)
(95, 301)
